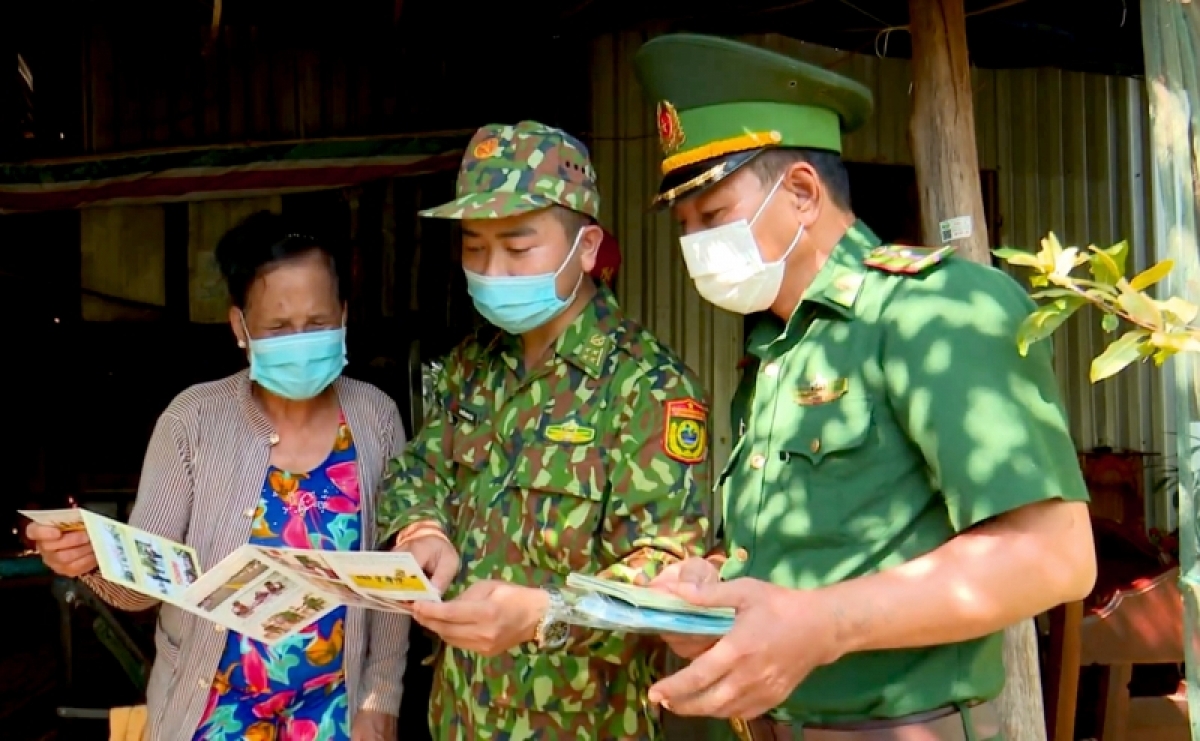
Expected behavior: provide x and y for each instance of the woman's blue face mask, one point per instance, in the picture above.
(521, 303)
(297, 366)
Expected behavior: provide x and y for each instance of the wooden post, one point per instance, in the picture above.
(942, 130)
(942, 135)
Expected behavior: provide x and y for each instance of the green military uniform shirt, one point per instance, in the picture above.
(595, 462)
(890, 414)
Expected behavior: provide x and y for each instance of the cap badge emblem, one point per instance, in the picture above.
(670, 131)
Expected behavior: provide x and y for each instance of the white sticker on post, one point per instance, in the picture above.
(960, 227)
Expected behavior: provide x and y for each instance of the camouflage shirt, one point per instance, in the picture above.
(596, 461)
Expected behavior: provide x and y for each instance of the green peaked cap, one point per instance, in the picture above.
(721, 101)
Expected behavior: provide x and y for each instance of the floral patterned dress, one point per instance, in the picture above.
(294, 690)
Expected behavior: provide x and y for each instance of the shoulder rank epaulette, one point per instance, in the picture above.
(894, 258)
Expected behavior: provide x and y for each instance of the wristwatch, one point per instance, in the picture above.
(553, 630)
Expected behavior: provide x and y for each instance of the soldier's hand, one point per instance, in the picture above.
(489, 617)
(66, 554)
(778, 638)
(437, 558)
(694, 571)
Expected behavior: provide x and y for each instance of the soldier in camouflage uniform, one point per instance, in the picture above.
(567, 439)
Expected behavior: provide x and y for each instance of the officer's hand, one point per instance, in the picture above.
(437, 559)
(779, 636)
(66, 554)
(691, 571)
(489, 617)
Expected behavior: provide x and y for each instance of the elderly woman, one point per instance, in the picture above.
(289, 454)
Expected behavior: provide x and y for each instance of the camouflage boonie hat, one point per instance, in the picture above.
(514, 169)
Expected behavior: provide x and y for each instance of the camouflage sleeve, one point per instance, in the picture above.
(657, 512)
(418, 484)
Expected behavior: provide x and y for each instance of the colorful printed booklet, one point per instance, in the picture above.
(609, 605)
(264, 593)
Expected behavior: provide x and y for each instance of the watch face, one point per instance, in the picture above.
(557, 633)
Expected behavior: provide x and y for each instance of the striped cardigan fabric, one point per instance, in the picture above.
(200, 484)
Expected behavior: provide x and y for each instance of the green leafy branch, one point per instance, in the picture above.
(1156, 329)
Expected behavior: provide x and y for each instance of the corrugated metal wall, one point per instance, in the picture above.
(654, 287)
(1069, 151)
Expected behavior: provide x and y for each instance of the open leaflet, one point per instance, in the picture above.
(264, 593)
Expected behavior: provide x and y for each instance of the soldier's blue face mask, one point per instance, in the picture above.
(520, 303)
(297, 366)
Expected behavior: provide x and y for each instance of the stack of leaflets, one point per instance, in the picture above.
(625, 608)
(267, 594)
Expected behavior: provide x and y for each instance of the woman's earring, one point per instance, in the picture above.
(242, 344)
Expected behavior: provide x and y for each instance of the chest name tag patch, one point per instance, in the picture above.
(466, 412)
(685, 437)
(570, 433)
(466, 415)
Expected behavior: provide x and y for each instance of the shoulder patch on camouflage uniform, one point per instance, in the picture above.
(903, 260)
(685, 436)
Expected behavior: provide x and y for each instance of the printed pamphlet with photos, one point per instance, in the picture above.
(626, 608)
(264, 593)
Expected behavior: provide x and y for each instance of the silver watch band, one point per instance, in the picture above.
(553, 631)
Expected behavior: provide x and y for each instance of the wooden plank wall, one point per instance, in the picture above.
(104, 85)
(208, 221)
(122, 306)
(123, 257)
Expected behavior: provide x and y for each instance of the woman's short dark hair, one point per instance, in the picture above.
(263, 240)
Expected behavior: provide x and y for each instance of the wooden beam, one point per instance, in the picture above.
(942, 135)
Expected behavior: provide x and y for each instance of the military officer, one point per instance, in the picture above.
(904, 486)
(568, 439)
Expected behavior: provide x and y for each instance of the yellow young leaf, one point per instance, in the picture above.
(1042, 322)
(1141, 307)
(1024, 259)
(1016, 257)
(1066, 261)
(1178, 310)
(1048, 256)
(1119, 252)
(1104, 268)
(1176, 341)
(1162, 355)
(1151, 275)
(1123, 351)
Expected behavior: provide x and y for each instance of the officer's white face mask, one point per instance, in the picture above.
(727, 266)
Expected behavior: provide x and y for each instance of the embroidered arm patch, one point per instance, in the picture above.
(685, 433)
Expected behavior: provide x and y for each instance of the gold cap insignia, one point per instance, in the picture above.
(670, 131)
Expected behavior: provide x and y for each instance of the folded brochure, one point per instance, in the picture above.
(265, 593)
(610, 605)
